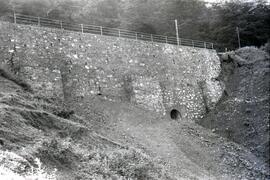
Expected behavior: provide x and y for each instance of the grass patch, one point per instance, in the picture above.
(123, 164)
(102, 163)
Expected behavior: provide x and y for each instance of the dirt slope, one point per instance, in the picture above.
(243, 113)
(191, 151)
(32, 134)
(96, 144)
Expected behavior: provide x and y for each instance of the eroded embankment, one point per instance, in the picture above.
(243, 113)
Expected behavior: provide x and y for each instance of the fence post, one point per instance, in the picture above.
(61, 24)
(38, 21)
(192, 43)
(15, 18)
(82, 28)
(180, 41)
(205, 45)
(136, 36)
(212, 45)
(177, 31)
(101, 31)
(166, 39)
(119, 33)
(152, 38)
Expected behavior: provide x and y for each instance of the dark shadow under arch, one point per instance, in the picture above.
(175, 114)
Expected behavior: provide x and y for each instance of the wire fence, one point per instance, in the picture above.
(106, 31)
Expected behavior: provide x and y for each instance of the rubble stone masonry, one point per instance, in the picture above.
(155, 76)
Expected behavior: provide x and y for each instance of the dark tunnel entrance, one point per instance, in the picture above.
(175, 114)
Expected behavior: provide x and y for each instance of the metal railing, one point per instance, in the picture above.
(106, 31)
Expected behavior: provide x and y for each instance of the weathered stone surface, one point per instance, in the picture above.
(162, 76)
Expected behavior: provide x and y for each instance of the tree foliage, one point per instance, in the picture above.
(216, 23)
(253, 20)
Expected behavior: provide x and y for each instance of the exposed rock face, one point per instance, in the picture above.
(243, 113)
(157, 77)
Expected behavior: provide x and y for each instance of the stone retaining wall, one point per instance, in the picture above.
(155, 76)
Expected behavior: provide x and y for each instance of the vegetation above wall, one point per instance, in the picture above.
(197, 20)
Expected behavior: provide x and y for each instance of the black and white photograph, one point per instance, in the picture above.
(134, 89)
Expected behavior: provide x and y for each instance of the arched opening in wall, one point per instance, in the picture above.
(175, 114)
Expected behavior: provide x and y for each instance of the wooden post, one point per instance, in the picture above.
(205, 45)
(136, 36)
(192, 43)
(166, 39)
(152, 38)
(82, 28)
(38, 21)
(238, 36)
(212, 45)
(15, 18)
(61, 24)
(101, 31)
(119, 33)
(176, 29)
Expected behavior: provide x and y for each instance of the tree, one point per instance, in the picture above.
(33, 8)
(5, 7)
(216, 23)
(253, 20)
